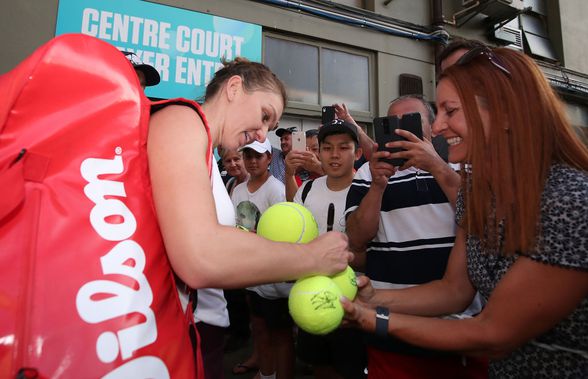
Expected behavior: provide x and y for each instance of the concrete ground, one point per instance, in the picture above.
(302, 371)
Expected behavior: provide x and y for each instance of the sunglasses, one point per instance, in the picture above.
(483, 51)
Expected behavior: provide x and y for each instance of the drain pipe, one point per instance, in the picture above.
(438, 25)
(363, 22)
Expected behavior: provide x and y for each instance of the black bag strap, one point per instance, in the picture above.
(306, 189)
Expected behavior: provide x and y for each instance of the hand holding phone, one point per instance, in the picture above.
(384, 130)
(299, 141)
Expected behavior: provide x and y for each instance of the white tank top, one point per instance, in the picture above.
(212, 306)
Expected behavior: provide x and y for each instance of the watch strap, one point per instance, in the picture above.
(382, 317)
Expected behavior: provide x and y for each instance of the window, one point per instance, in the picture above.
(296, 64)
(345, 78)
(318, 74)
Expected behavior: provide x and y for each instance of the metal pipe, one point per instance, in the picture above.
(438, 24)
(362, 22)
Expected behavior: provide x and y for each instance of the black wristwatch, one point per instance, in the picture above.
(382, 316)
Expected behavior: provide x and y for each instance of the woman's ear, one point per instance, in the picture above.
(233, 86)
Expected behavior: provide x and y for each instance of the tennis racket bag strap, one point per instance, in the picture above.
(86, 289)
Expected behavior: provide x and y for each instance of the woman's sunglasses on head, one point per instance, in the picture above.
(483, 51)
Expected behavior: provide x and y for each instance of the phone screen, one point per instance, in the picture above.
(328, 114)
(384, 131)
(299, 141)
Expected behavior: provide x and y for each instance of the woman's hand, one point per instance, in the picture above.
(365, 292)
(361, 312)
(358, 315)
(330, 253)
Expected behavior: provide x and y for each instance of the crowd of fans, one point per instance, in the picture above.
(454, 252)
(472, 265)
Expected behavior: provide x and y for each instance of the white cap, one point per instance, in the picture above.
(260, 147)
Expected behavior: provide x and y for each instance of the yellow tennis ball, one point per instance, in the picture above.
(347, 282)
(287, 222)
(314, 304)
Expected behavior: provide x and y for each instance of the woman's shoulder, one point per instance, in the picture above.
(563, 238)
(175, 103)
(562, 176)
(566, 188)
(174, 110)
(177, 121)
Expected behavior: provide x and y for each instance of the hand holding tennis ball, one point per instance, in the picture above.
(313, 301)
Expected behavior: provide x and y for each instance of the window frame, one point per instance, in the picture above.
(298, 108)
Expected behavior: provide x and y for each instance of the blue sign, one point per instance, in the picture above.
(186, 47)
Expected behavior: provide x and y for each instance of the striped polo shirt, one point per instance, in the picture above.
(416, 230)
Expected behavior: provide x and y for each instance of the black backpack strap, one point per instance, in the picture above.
(307, 186)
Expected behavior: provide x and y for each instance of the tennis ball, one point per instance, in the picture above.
(314, 304)
(287, 222)
(347, 282)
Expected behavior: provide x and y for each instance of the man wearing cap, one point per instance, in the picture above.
(148, 75)
(341, 353)
(278, 163)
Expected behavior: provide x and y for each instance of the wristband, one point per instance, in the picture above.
(382, 317)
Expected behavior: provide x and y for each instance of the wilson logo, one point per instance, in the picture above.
(101, 300)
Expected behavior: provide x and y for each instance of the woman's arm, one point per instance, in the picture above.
(531, 299)
(451, 294)
(202, 252)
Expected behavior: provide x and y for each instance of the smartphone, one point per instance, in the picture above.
(299, 141)
(328, 114)
(384, 130)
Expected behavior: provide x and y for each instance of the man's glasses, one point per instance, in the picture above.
(485, 52)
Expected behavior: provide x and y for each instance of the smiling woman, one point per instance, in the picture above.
(196, 216)
(242, 102)
(522, 240)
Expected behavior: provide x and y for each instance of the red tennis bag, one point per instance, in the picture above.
(86, 289)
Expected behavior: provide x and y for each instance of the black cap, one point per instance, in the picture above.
(151, 75)
(338, 127)
(280, 132)
(311, 133)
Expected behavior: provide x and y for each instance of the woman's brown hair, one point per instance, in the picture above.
(528, 132)
(256, 76)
